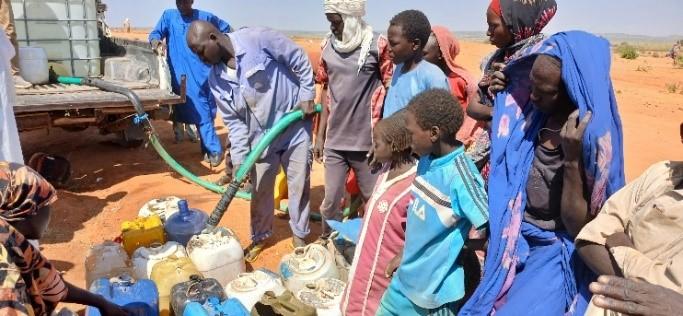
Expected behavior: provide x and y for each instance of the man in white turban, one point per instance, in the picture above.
(355, 68)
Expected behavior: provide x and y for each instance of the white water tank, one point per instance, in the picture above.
(66, 29)
(33, 65)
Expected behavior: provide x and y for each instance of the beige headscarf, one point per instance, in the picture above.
(356, 31)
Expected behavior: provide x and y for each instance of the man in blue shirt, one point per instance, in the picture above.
(200, 108)
(449, 200)
(258, 76)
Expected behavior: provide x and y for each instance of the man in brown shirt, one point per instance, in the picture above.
(638, 234)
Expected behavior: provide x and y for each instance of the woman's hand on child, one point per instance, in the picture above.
(498, 79)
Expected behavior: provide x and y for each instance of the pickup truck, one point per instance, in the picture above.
(77, 107)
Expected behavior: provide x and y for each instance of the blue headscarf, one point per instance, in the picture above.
(586, 74)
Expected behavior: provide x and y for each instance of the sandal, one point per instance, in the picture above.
(252, 253)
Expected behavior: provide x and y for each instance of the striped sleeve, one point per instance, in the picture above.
(468, 196)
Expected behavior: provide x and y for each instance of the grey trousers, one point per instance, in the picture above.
(337, 164)
(296, 162)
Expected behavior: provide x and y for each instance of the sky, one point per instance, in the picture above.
(635, 17)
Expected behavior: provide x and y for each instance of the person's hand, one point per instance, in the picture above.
(635, 297)
(619, 239)
(498, 80)
(112, 309)
(572, 136)
(308, 107)
(318, 149)
(159, 47)
(392, 266)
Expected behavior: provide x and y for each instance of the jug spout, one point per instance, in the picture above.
(183, 208)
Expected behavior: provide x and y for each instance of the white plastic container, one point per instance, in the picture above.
(164, 207)
(325, 295)
(217, 255)
(33, 65)
(106, 260)
(249, 288)
(144, 258)
(307, 265)
(66, 29)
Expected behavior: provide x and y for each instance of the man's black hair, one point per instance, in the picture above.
(437, 107)
(415, 25)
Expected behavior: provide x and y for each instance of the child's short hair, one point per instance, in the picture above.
(393, 130)
(415, 25)
(437, 107)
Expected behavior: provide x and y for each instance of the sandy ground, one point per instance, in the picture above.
(111, 183)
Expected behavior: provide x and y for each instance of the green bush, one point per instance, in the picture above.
(627, 51)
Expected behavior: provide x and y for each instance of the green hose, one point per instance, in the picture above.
(279, 127)
(233, 189)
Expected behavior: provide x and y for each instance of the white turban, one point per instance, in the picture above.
(356, 32)
(348, 7)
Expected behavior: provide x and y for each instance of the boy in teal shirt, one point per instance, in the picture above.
(449, 199)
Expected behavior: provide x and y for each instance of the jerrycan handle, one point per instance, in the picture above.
(301, 252)
(194, 288)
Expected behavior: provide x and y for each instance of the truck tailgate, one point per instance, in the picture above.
(59, 97)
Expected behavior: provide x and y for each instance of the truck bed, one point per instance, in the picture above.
(59, 97)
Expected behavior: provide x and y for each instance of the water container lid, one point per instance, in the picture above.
(308, 259)
(186, 221)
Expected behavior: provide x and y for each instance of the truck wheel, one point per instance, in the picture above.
(132, 137)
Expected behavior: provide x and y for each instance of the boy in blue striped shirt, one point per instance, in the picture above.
(449, 199)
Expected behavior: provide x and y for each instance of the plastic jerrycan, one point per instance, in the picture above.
(164, 207)
(144, 258)
(280, 192)
(142, 232)
(106, 260)
(325, 295)
(181, 226)
(198, 290)
(214, 307)
(249, 288)
(141, 296)
(166, 274)
(306, 265)
(217, 254)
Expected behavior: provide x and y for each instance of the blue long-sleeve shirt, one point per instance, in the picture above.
(200, 106)
(272, 76)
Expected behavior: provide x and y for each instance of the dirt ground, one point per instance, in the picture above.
(111, 183)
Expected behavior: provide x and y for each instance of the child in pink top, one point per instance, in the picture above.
(383, 231)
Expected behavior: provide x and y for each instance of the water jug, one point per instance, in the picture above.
(198, 290)
(280, 190)
(164, 207)
(306, 265)
(249, 288)
(142, 232)
(106, 260)
(214, 307)
(325, 295)
(139, 296)
(217, 255)
(181, 226)
(33, 64)
(144, 258)
(166, 274)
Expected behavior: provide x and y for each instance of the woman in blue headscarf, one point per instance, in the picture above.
(556, 157)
